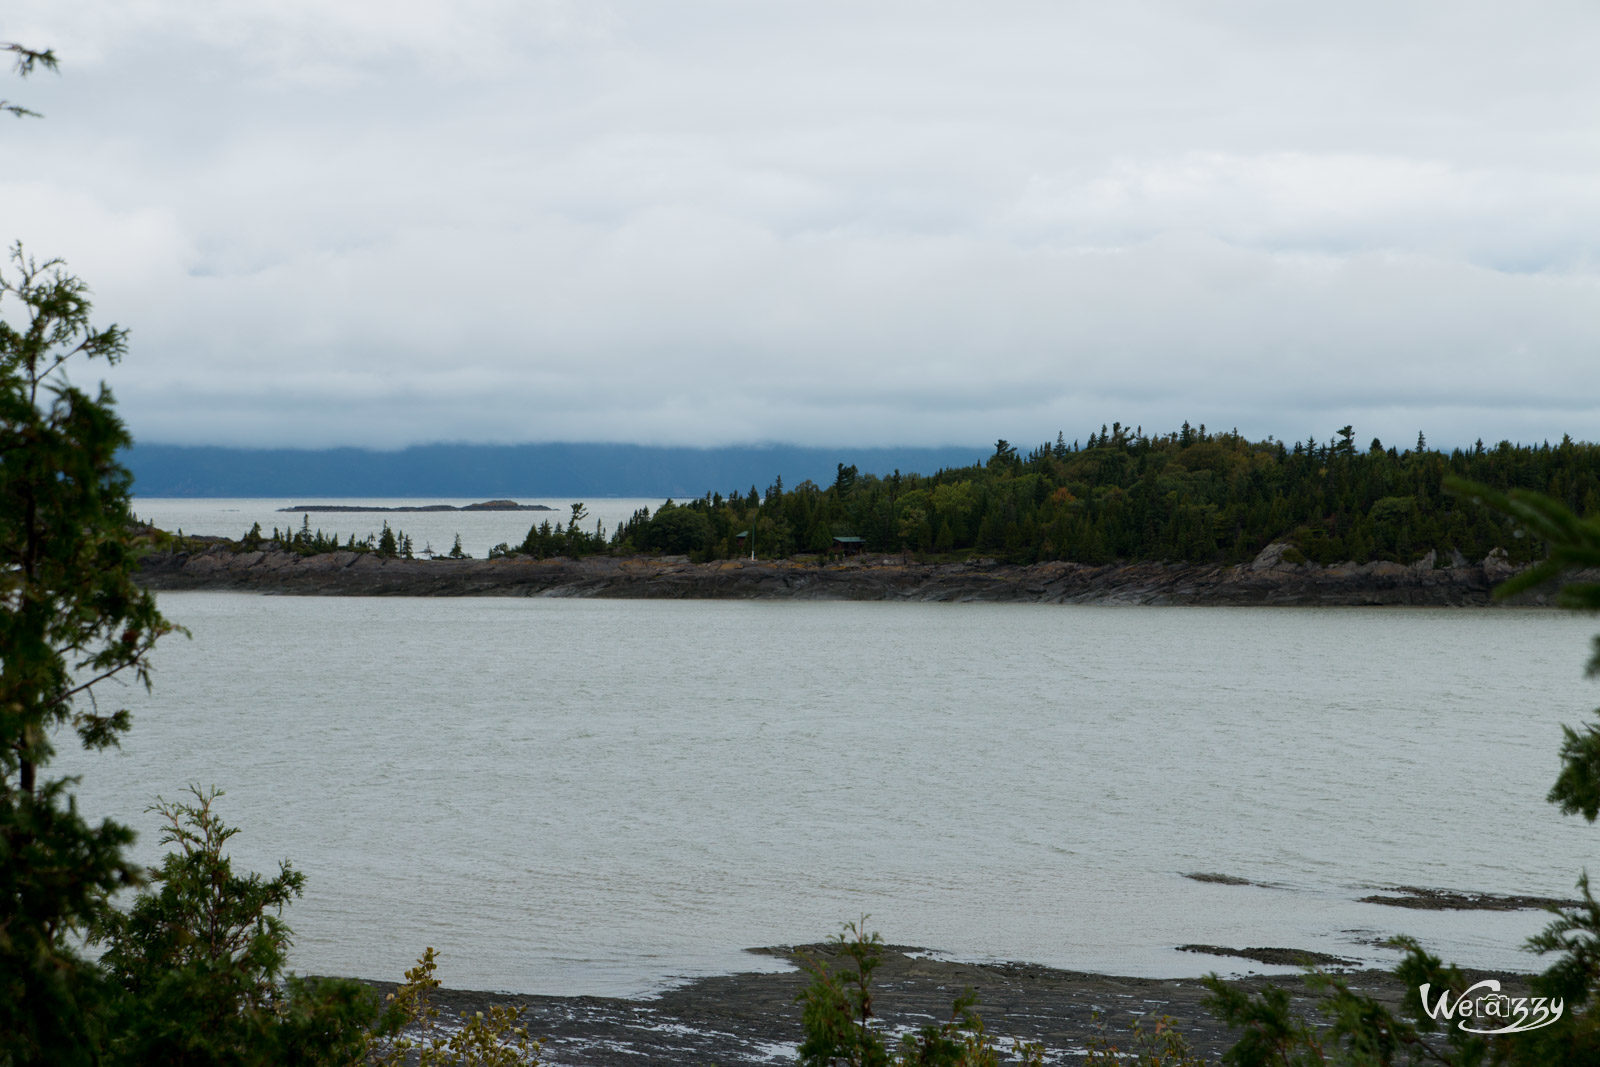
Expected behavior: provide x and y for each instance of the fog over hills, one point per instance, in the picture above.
(543, 470)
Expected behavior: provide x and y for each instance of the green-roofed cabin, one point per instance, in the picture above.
(851, 546)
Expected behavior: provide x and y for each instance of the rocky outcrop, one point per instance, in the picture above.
(1273, 577)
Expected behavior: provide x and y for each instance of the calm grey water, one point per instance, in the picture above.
(602, 796)
(607, 795)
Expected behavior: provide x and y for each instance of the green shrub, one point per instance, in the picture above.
(479, 1040)
(198, 963)
(1157, 1045)
(838, 1018)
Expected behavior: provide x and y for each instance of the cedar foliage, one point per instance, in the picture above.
(70, 616)
(198, 962)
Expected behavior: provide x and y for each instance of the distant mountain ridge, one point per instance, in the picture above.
(531, 470)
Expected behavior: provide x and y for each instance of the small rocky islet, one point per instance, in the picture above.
(362, 509)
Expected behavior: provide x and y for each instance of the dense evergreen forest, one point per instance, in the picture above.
(1122, 496)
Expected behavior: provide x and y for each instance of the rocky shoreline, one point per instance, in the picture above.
(1269, 579)
(753, 1018)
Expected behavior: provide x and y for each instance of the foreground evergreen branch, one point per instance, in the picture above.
(1358, 1029)
(24, 60)
(71, 617)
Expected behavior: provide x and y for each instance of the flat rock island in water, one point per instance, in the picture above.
(487, 505)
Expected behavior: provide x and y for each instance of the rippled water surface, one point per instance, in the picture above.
(600, 796)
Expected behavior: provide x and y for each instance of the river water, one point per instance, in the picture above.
(606, 796)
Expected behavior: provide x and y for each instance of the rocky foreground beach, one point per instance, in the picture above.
(1271, 578)
(754, 1018)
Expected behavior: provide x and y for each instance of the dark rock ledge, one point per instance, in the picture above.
(754, 1018)
(1269, 579)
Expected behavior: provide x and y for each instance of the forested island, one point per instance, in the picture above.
(1189, 496)
(1186, 517)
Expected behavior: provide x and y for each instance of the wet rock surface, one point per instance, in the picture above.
(754, 1018)
(1283, 957)
(1424, 899)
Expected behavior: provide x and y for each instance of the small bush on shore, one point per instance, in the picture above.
(197, 963)
(839, 1021)
(196, 969)
(1157, 1045)
(411, 1032)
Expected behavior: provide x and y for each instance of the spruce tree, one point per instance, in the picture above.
(70, 616)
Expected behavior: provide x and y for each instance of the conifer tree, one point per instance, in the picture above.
(70, 616)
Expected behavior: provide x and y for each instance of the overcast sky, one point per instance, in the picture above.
(378, 222)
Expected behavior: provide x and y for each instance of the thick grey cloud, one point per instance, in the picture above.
(704, 223)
